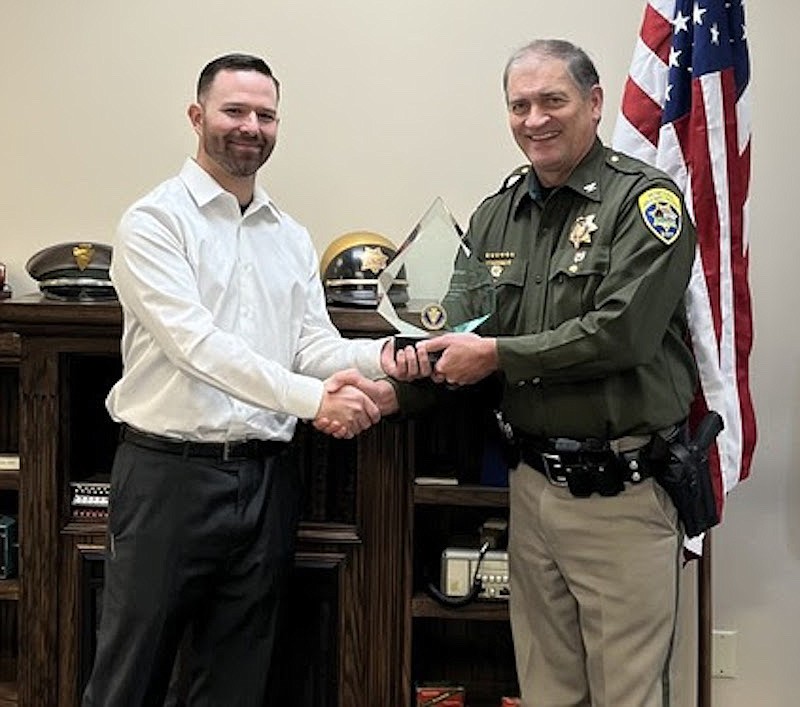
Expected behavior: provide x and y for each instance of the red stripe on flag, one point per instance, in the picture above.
(739, 186)
(656, 33)
(706, 216)
(641, 111)
(739, 178)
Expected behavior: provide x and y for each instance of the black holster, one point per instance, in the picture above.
(683, 471)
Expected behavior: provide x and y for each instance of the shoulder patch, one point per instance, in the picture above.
(662, 213)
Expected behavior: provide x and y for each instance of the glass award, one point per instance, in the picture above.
(434, 284)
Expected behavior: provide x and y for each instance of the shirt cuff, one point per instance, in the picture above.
(368, 359)
(515, 363)
(304, 396)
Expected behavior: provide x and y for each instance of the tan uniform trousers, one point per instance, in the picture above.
(594, 593)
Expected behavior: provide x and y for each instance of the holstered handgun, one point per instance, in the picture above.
(683, 471)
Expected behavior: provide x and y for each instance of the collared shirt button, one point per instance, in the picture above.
(538, 279)
(536, 381)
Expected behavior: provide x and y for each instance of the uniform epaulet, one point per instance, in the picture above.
(514, 177)
(621, 162)
(626, 164)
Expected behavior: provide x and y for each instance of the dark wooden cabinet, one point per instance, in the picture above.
(467, 645)
(9, 505)
(361, 629)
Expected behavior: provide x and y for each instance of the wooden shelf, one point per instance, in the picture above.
(9, 590)
(82, 527)
(10, 348)
(423, 606)
(9, 479)
(466, 495)
(8, 694)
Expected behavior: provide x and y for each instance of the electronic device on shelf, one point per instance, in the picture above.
(465, 569)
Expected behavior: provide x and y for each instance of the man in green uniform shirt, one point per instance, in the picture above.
(591, 252)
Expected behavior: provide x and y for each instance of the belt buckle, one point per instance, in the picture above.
(552, 465)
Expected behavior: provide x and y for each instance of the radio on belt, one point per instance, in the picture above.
(458, 569)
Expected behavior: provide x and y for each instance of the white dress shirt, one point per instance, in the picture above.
(226, 335)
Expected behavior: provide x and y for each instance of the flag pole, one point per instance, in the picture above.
(704, 623)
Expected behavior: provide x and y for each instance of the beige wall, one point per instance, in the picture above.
(387, 105)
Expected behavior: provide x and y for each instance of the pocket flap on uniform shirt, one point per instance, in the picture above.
(512, 274)
(579, 263)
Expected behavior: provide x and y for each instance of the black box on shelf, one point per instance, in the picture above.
(9, 547)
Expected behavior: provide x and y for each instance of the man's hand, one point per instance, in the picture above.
(382, 393)
(345, 410)
(406, 364)
(465, 359)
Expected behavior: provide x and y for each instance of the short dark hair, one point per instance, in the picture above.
(233, 62)
(580, 67)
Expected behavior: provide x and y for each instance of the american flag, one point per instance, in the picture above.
(685, 109)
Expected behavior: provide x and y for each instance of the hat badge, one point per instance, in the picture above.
(83, 254)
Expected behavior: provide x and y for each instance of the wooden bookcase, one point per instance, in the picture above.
(361, 630)
(9, 504)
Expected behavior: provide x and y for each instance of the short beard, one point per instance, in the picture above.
(235, 166)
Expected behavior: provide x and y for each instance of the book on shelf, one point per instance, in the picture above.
(436, 481)
(85, 513)
(90, 488)
(9, 547)
(89, 498)
(9, 461)
(82, 499)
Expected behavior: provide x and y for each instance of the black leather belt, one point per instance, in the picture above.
(585, 467)
(221, 451)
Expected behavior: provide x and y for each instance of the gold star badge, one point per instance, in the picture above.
(373, 259)
(582, 230)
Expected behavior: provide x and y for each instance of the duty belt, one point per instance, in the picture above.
(221, 451)
(587, 466)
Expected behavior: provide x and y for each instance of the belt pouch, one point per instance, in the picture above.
(579, 480)
(608, 478)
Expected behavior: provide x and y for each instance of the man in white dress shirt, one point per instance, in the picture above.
(226, 344)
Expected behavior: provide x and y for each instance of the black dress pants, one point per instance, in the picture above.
(197, 549)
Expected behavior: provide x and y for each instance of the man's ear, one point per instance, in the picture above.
(596, 98)
(195, 113)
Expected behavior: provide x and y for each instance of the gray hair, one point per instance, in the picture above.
(580, 67)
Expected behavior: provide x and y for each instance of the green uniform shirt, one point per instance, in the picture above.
(590, 279)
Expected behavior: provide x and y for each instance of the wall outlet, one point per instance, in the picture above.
(723, 653)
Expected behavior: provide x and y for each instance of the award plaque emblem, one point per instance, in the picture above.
(449, 288)
(433, 317)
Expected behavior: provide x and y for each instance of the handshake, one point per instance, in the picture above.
(351, 403)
